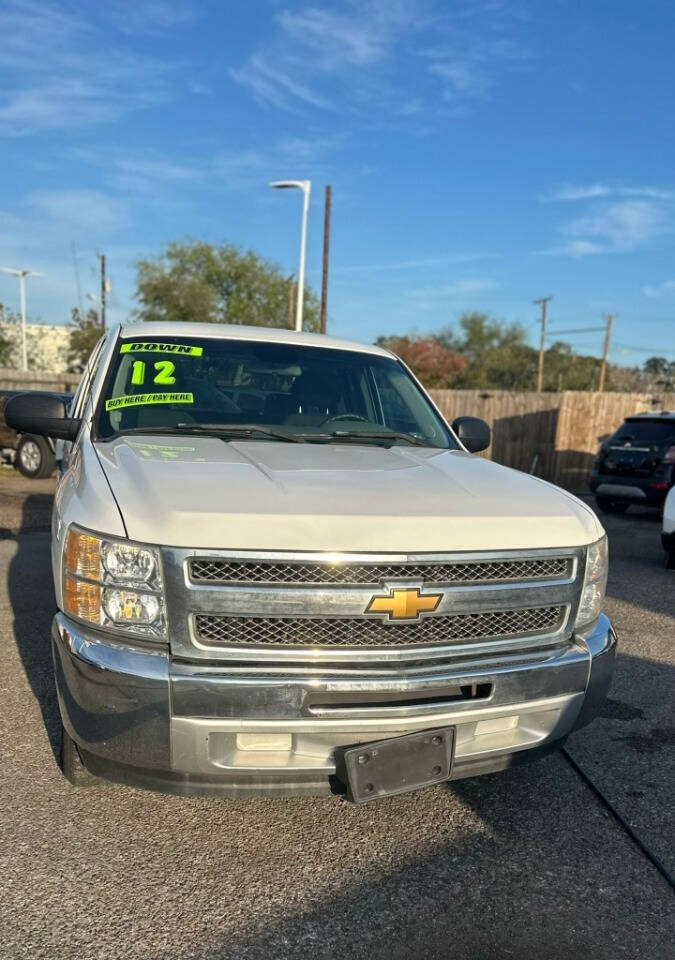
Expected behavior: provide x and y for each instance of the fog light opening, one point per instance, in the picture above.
(265, 742)
(498, 725)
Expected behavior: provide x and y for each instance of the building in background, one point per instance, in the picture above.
(47, 345)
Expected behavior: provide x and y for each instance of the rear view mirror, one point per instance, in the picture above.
(41, 413)
(474, 433)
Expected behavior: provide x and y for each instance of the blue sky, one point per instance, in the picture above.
(481, 153)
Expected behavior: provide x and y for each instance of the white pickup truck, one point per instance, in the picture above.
(279, 571)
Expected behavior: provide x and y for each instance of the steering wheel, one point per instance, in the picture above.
(345, 416)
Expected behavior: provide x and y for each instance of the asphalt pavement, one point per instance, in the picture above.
(524, 864)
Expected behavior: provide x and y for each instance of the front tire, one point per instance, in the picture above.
(34, 457)
(608, 505)
(71, 764)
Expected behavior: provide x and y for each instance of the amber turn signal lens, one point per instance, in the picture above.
(82, 555)
(82, 600)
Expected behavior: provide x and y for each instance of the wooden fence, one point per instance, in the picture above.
(11, 379)
(553, 435)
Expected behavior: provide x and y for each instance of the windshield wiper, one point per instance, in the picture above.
(389, 436)
(240, 430)
(222, 430)
(249, 430)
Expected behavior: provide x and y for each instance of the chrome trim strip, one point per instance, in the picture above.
(327, 602)
(288, 556)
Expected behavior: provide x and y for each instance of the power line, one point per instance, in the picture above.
(578, 330)
(652, 351)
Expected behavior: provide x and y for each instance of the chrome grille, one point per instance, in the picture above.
(218, 630)
(223, 571)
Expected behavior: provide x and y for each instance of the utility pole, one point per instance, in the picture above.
(542, 302)
(77, 279)
(605, 352)
(101, 257)
(326, 250)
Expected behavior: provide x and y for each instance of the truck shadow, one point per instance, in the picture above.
(31, 596)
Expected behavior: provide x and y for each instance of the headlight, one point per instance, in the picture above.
(114, 584)
(124, 561)
(595, 582)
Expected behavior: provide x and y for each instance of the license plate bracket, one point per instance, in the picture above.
(385, 768)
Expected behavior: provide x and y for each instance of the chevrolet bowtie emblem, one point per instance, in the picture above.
(403, 603)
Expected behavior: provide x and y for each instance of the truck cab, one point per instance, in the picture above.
(279, 571)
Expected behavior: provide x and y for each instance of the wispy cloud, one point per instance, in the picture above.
(149, 16)
(617, 218)
(63, 69)
(153, 175)
(368, 55)
(663, 289)
(472, 65)
(596, 190)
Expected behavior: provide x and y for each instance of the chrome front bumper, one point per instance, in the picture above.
(140, 717)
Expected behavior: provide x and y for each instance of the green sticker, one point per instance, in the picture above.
(147, 399)
(151, 346)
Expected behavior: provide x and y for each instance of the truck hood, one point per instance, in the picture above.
(264, 495)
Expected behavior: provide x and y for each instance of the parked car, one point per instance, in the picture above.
(327, 592)
(636, 464)
(33, 456)
(668, 534)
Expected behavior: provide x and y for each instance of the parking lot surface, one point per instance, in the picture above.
(524, 864)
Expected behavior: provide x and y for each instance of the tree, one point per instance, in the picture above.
(199, 282)
(496, 353)
(433, 363)
(6, 342)
(660, 372)
(85, 333)
(657, 366)
(496, 356)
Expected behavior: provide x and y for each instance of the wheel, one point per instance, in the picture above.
(608, 505)
(34, 457)
(71, 763)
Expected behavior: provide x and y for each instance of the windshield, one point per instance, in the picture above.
(313, 393)
(649, 432)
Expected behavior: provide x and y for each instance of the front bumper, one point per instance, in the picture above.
(140, 717)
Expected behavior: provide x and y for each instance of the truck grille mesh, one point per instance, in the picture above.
(207, 570)
(363, 632)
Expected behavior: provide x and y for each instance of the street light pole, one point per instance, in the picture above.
(306, 187)
(22, 293)
(22, 274)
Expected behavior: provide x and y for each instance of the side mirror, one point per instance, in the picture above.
(474, 433)
(42, 414)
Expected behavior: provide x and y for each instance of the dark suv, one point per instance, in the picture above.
(636, 464)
